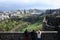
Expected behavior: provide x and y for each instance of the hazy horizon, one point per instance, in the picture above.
(29, 4)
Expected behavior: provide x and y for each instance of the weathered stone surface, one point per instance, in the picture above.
(49, 36)
(20, 36)
(11, 36)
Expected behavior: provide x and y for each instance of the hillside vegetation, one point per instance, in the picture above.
(21, 24)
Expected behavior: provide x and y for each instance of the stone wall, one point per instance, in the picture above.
(49, 36)
(20, 36)
(11, 36)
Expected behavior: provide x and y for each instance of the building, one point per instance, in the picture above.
(4, 16)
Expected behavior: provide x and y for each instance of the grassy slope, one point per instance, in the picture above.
(35, 26)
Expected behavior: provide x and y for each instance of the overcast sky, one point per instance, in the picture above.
(27, 4)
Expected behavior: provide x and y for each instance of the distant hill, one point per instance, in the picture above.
(39, 11)
(53, 11)
(44, 12)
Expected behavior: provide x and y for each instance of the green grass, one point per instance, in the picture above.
(36, 26)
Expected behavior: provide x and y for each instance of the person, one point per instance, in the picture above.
(33, 35)
(26, 35)
(39, 35)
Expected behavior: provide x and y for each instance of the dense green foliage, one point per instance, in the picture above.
(31, 24)
(8, 24)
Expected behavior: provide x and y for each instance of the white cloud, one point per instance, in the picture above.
(33, 1)
(52, 3)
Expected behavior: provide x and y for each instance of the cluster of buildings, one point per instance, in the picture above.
(5, 15)
(12, 14)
